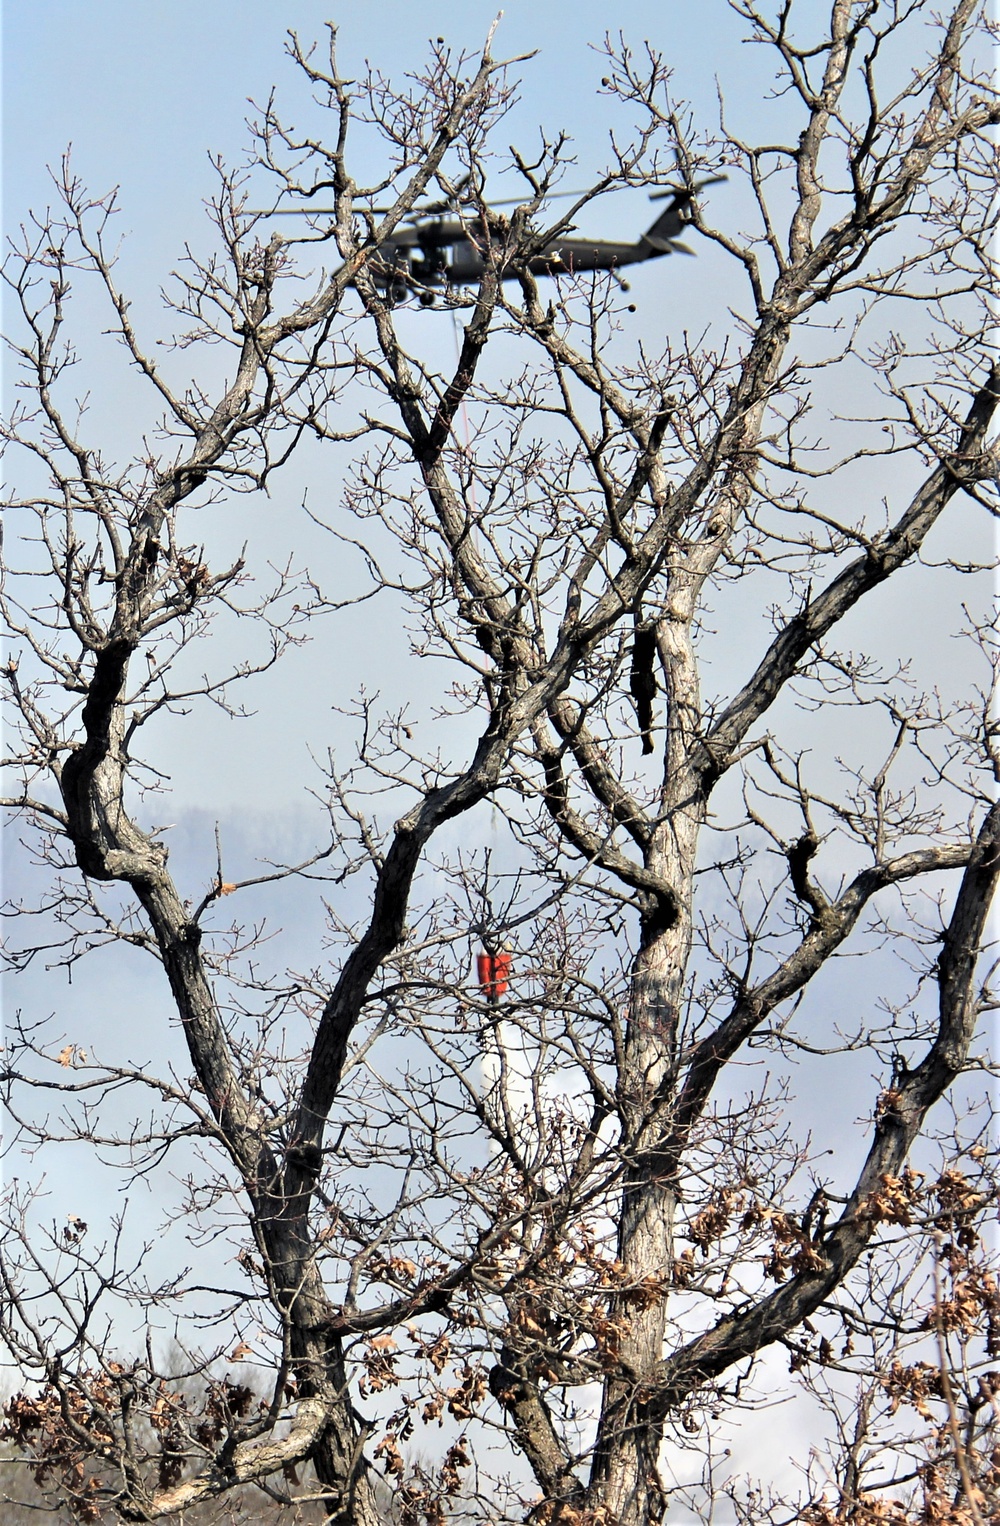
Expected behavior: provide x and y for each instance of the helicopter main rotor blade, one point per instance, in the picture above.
(439, 208)
(682, 190)
(289, 212)
(429, 209)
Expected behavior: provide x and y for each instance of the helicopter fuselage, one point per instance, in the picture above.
(432, 253)
(432, 256)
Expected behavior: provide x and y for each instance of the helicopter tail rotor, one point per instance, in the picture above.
(681, 193)
(662, 236)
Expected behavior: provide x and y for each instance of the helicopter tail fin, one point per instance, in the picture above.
(655, 243)
(661, 238)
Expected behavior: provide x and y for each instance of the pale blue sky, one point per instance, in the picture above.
(143, 92)
(144, 89)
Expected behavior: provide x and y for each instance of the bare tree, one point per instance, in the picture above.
(545, 1218)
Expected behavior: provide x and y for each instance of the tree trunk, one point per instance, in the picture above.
(625, 1465)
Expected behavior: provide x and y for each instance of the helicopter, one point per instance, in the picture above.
(432, 253)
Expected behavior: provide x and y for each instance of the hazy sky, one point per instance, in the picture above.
(143, 91)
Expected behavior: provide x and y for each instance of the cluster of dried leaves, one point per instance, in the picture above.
(70, 1429)
(957, 1396)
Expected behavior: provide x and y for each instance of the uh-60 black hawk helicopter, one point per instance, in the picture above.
(432, 252)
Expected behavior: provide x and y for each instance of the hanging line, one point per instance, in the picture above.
(466, 447)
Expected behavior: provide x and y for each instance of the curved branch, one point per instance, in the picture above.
(740, 1335)
(833, 927)
(882, 559)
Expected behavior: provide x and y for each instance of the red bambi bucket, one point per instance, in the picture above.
(493, 970)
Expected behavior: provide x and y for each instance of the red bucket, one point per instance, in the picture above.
(493, 971)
